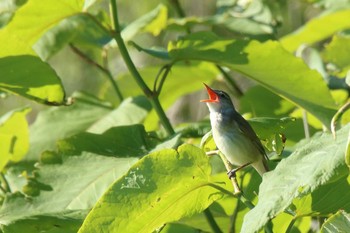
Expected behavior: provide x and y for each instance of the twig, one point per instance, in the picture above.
(101, 68)
(337, 116)
(305, 124)
(135, 74)
(166, 69)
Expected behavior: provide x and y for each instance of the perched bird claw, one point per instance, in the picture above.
(232, 174)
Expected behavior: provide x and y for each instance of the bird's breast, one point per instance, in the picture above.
(231, 141)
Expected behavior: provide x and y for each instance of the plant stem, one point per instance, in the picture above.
(136, 75)
(210, 219)
(101, 68)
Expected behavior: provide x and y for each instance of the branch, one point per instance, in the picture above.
(136, 75)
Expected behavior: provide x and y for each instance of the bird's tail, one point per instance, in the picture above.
(261, 166)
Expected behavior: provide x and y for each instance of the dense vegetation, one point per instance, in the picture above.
(126, 152)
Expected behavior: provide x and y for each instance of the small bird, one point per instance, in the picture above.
(233, 135)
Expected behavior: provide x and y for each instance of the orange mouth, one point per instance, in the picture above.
(213, 97)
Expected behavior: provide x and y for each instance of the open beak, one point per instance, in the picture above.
(213, 97)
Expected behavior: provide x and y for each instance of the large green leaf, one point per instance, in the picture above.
(315, 162)
(124, 144)
(74, 185)
(80, 28)
(317, 29)
(29, 77)
(162, 187)
(14, 136)
(339, 222)
(31, 21)
(326, 199)
(267, 63)
(60, 122)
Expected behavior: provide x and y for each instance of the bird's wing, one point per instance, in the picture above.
(248, 131)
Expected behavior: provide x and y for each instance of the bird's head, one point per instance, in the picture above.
(218, 101)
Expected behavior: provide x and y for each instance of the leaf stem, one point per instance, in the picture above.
(210, 219)
(136, 75)
(100, 67)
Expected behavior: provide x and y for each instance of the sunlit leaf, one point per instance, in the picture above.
(317, 29)
(14, 136)
(162, 187)
(316, 161)
(29, 77)
(265, 63)
(30, 23)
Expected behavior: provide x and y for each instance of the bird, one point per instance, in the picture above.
(233, 135)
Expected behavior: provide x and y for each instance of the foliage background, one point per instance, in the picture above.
(85, 144)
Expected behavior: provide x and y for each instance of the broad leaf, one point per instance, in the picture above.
(60, 122)
(76, 184)
(80, 28)
(162, 187)
(30, 23)
(123, 145)
(267, 63)
(315, 162)
(317, 29)
(33, 79)
(14, 136)
(339, 222)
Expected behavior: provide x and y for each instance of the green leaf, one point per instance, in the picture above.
(326, 199)
(31, 21)
(162, 187)
(139, 107)
(33, 79)
(105, 144)
(67, 221)
(80, 28)
(14, 136)
(317, 29)
(265, 63)
(337, 52)
(316, 161)
(60, 122)
(74, 185)
(339, 222)
(153, 22)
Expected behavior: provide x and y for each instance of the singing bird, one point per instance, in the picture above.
(233, 135)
